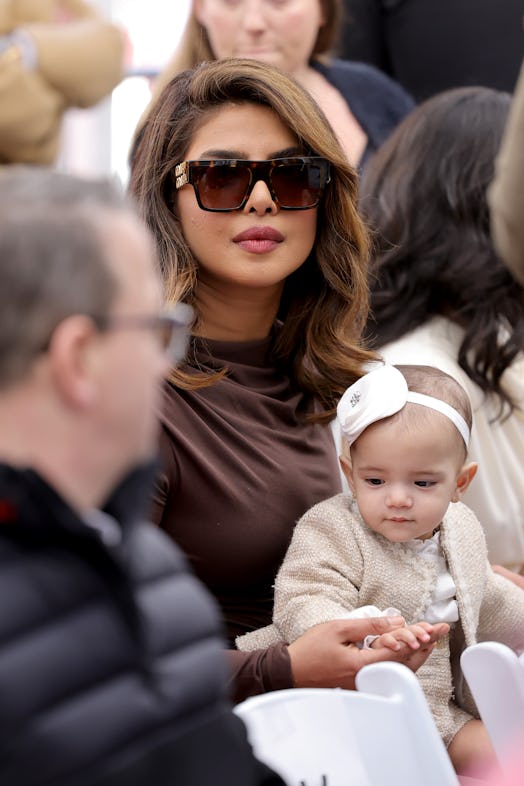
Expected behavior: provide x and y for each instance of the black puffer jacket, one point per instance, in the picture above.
(112, 670)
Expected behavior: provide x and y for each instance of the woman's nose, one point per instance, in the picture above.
(260, 200)
(253, 18)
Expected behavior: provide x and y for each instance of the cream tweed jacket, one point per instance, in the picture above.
(335, 564)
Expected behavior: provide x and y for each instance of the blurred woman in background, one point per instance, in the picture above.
(441, 296)
(362, 104)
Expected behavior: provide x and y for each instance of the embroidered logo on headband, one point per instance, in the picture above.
(381, 393)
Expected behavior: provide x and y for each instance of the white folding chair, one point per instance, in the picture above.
(382, 734)
(495, 675)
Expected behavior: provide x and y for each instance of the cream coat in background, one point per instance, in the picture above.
(335, 564)
(75, 60)
(496, 496)
(506, 195)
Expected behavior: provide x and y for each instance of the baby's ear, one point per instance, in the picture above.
(464, 478)
(347, 469)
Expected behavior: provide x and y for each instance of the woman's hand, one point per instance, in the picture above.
(326, 655)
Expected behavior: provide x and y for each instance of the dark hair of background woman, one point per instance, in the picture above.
(424, 196)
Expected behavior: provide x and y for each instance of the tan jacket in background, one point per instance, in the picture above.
(79, 60)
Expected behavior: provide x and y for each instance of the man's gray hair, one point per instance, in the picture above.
(53, 260)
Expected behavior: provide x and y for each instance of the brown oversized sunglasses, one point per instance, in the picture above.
(223, 185)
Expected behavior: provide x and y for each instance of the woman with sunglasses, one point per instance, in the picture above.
(253, 205)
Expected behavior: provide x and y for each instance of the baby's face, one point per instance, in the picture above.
(404, 478)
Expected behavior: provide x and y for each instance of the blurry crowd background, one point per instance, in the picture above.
(96, 141)
(420, 43)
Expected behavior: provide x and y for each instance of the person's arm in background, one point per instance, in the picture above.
(30, 110)
(81, 56)
(506, 193)
(362, 34)
(48, 66)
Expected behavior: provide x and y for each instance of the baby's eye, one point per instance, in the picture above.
(424, 484)
(374, 481)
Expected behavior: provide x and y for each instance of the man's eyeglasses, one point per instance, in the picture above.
(171, 326)
(223, 185)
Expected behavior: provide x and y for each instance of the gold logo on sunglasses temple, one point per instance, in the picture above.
(181, 174)
(224, 185)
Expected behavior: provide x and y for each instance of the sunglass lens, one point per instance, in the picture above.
(297, 185)
(222, 187)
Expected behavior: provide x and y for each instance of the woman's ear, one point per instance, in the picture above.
(464, 478)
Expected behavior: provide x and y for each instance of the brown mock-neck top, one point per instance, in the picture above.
(241, 464)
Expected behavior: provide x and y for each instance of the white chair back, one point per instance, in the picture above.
(382, 734)
(495, 675)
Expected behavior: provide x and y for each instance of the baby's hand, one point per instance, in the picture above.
(411, 635)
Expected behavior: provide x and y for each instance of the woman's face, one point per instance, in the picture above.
(259, 245)
(279, 32)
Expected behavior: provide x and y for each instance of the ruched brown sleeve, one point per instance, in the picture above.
(259, 671)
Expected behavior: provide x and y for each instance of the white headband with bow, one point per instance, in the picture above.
(381, 393)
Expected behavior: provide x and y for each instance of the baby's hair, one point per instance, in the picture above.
(434, 382)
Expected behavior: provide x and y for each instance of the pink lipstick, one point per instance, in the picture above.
(258, 240)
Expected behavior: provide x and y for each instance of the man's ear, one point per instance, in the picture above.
(347, 469)
(72, 360)
(465, 476)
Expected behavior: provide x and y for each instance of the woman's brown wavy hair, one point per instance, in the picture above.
(324, 305)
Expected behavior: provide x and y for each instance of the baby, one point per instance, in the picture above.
(403, 543)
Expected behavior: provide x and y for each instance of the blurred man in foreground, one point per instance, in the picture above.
(111, 661)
